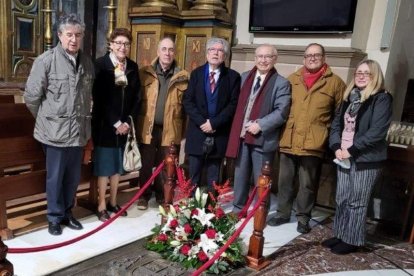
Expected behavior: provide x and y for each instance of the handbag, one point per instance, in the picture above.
(132, 157)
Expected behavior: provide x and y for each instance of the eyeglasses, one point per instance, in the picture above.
(362, 74)
(265, 57)
(120, 43)
(218, 50)
(315, 56)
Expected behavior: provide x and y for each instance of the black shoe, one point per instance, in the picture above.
(115, 209)
(329, 243)
(277, 221)
(72, 223)
(344, 248)
(303, 228)
(103, 215)
(55, 229)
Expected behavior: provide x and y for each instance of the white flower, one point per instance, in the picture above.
(179, 232)
(162, 211)
(187, 213)
(198, 195)
(175, 243)
(208, 245)
(203, 217)
(193, 251)
(204, 200)
(219, 236)
(172, 211)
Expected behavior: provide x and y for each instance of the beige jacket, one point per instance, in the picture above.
(174, 116)
(311, 113)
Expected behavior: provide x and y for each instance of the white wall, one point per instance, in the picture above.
(401, 56)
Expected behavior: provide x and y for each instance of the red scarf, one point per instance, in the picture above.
(310, 78)
(234, 138)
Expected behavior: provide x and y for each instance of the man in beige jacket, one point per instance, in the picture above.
(161, 117)
(316, 94)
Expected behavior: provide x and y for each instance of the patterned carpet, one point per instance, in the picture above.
(305, 256)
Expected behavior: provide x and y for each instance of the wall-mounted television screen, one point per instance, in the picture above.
(302, 16)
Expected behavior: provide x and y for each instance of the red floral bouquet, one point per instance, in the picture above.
(194, 232)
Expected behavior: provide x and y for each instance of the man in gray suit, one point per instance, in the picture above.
(262, 110)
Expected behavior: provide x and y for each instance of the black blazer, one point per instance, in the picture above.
(112, 103)
(195, 105)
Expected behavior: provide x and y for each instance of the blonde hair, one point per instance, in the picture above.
(374, 86)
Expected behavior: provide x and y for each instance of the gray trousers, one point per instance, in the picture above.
(250, 157)
(307, 168)
(354, 188)
(63, 171)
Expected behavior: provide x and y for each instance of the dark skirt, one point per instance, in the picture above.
(107, 161)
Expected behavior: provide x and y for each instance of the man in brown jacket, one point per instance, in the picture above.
(316, 94)
(161, 117)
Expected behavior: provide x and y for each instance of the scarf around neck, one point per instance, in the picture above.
(120, 67)
(311, 78)
(355, 102)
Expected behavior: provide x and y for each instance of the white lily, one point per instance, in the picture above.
(179, 232)
(203, 217)
(175, 243)
(162, 211)
(187, 213)
(172, 211)
(193, 251)
(198, 195)
(208, 245)
(204, 200)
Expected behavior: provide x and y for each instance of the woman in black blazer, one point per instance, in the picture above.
(115, 98)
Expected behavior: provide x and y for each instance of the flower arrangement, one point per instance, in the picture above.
(193, 233)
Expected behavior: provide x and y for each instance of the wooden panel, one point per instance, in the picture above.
(146, 48)
(195, 52)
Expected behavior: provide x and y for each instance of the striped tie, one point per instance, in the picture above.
(257, 85)
(212, 81)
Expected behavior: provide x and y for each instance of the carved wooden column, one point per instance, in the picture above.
(111, 17)
(159, 3)
(255, 257)
(170, 167)
(217, 5)
(6, 267)
(48, 37)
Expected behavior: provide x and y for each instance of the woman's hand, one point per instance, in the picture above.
(338, 154)
(123, 129)
(345, 154)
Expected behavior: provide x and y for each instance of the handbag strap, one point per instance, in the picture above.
(132, 126)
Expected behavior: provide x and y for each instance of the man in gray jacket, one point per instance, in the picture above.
(58, 94)
(262, 110)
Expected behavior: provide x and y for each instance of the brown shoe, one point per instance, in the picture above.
(103, 215)
(142, 204)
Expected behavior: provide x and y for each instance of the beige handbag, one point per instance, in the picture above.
(132, 157)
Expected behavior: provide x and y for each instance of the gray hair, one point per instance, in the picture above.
(69, 19)
(214, 40)
(266, 45)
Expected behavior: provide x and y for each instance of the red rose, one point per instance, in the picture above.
(194, 212)
(211, 233)
(162, 237)
(185, 249)
(210, 208)
(219, 213)
(173, 223)
(187, 228)
(202, 256)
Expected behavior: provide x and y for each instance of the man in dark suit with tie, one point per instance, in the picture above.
(210, 103)
(262, 109)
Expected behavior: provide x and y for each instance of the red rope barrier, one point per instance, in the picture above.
(233, 237)
(243, 212)
(103, 225)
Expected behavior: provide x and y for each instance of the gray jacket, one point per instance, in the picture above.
(59, 97)
(274, 112)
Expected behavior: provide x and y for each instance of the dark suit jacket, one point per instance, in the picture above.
(195, 105)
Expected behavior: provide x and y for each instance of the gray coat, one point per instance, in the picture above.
(274, 112)
(59, 97)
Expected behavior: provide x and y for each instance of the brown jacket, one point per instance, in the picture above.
(311, 113)
(174, 116)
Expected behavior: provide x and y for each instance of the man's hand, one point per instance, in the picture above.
(206, 127)
(253, 128)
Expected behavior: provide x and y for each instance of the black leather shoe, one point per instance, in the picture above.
(344, 248)
(277, 221)
(329, 243)
(303, 228)
(55, 229)
(72, 223)
(115, 209)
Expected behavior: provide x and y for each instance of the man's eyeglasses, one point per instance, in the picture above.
(120, 43)
(218, 50)
(362, 74)
(265, 57)
(315, 56)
